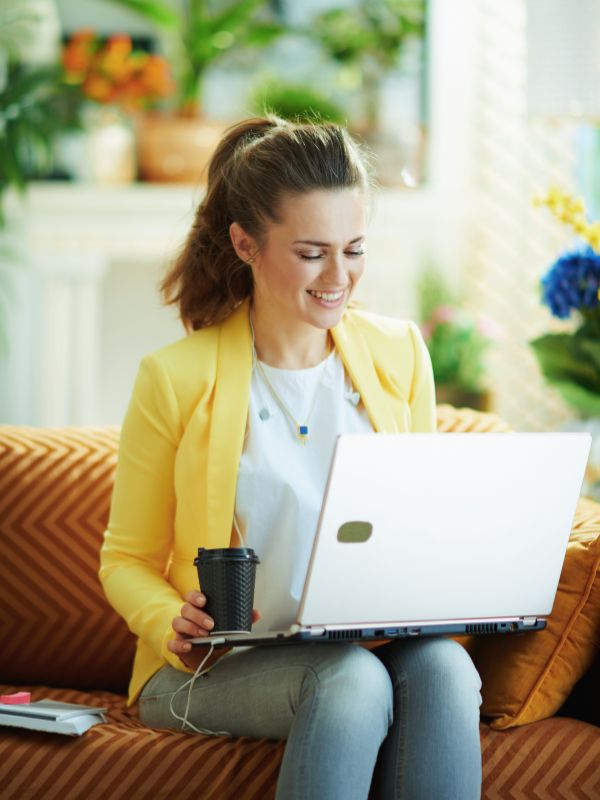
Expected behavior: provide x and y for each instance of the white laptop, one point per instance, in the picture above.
(444, 533)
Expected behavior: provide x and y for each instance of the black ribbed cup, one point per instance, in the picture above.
(227, 576)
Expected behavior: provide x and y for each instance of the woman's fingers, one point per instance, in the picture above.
(197, 617)
(188, 628)
(196, 598)
(179, 645)
(255, 615)
(192, 623)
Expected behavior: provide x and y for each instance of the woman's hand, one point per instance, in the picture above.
(192, 623)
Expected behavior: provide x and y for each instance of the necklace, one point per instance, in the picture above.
(301, 429)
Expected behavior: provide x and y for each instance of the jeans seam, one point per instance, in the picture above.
(304, 745)
(402, 723)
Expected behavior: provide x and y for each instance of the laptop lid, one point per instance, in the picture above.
(445, 526)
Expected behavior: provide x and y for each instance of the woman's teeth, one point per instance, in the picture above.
(329, 297)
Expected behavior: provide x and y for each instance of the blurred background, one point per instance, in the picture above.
(109, 110)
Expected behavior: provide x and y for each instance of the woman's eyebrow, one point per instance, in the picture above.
(325, 244)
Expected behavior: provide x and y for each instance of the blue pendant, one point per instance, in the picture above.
(264, 414)
(303, 433)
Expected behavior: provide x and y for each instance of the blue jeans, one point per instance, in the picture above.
(414, 703)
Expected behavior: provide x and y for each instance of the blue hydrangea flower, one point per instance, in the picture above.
(572, 282)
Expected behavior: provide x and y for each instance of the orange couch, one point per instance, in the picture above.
(60, 639)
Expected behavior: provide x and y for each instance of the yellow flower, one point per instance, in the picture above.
(570, 210)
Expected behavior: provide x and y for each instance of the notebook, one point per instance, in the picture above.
(52, 716)
(436, 533)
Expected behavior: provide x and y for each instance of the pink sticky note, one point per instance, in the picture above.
(16, 699)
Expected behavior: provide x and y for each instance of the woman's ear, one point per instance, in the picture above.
(243, 244)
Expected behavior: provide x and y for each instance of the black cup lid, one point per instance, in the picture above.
(225, 554)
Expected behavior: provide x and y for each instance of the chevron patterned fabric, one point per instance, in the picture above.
(60, 640)
(55, 490)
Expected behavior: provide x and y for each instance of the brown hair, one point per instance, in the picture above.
(257, 163)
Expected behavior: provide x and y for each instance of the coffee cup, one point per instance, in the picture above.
(227, 578)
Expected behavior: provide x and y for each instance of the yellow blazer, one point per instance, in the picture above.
(181, 443)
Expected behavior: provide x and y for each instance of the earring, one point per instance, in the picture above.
(250, 260)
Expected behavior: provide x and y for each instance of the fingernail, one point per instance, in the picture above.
(200, 600)
(187, 646)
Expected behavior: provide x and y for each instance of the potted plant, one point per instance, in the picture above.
(570, 359)
(176, 146)
(295, 101)
(457, 342)
(369, 39)
(31, 115)
(112, 81)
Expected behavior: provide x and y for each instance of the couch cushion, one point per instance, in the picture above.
(528, 677)
(125, 761)
(555, 759)
(55, 491)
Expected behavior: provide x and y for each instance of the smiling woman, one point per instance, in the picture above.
(228, 439)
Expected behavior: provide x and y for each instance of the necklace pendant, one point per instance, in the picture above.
(303, 433)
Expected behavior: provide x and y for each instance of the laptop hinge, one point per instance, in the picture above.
(529, 621)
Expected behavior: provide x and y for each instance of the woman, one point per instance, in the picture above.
(229, 434)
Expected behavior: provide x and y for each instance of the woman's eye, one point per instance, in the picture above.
(356, 253)
(310, 258)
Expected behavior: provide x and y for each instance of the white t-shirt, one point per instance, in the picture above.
(281, 481)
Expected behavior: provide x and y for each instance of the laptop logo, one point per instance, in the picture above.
(354, 532)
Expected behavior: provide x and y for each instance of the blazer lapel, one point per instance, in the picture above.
(359, 363)
(228, 423)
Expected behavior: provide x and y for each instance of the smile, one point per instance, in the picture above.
(329, 297)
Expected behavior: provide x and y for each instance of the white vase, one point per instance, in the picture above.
(104, 152)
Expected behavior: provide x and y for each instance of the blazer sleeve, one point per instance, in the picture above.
(422, 394)
(139, 537)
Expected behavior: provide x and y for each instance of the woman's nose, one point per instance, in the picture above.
(335, 271)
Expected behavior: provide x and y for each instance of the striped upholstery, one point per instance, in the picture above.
(557, 759)
(56, 630)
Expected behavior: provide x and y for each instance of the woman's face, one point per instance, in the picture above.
(311, 261)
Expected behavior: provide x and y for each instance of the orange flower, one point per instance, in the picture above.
(156, 77)
(113, 72)
(115, 59)
(98, 88)
(78, 55)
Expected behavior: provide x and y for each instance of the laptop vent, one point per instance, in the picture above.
(337, 636)
(483, 627)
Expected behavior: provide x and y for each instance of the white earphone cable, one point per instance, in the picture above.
(190, 683)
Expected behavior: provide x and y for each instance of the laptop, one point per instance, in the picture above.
(436, 533)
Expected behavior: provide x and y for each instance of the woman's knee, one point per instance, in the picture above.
(352, 680)
(435, 661)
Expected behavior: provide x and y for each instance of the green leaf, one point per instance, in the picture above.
(238, 13)
(584, 400)
(153, 10)
(561, 358)
(262, 35)
(592, 348)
